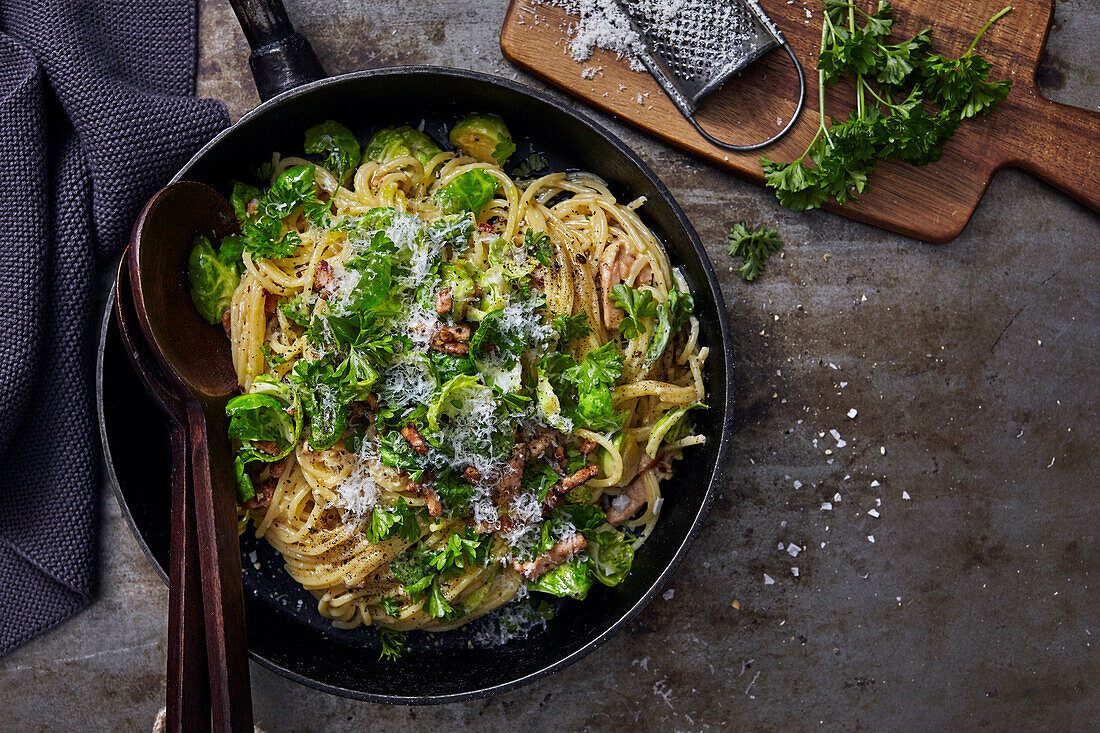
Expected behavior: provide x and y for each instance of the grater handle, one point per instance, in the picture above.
(685, 110)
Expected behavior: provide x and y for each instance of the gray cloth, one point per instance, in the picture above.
(96, 113)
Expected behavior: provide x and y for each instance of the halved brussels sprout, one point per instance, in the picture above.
(484, 137)
(396, 142)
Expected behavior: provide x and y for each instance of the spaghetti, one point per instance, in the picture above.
(457, 386)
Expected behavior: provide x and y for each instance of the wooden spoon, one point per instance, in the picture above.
(187, 689)
(196, 362)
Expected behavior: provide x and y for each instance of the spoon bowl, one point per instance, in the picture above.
(189, 349)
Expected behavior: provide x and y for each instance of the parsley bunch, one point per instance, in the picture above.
(909, 103)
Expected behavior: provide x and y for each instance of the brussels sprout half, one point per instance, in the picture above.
(396, 142)
(484, 137)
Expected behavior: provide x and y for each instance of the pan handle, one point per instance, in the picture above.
(281, 59)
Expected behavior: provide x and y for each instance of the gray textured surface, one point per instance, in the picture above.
(973, 365)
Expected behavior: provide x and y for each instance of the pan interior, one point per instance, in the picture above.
(285, 631)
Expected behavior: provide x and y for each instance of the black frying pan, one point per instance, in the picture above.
(285, 632)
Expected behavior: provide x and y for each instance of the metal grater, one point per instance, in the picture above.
(691, 47)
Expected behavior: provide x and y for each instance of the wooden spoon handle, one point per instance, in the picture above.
(1061, 145)
(187, 699)
(220, 568)
(188, 689)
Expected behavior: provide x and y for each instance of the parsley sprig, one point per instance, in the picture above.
(394, 644)
(755, 246)
(909, 103)
(638, 305)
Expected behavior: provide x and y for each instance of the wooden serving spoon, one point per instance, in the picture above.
(195, 359)
(187, 689)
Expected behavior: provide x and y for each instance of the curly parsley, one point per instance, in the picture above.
(909, 103)
(755, 246)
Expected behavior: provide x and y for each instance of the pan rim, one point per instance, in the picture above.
(717, 471)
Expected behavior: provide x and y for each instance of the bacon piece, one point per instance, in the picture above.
(264, 493)
(444, 301)
(485, 227)
(588, 446)
(451, 340)
(636, 495)
(227, 322)
(410, 434)
(271, 303)
(561, 552)
(453, 333)
(556, 493)
(471, 474)
(372, 401)
(326, 281)
(435, 506)
(558, 459)
(252, 206)
(277, 468)
(506, 490)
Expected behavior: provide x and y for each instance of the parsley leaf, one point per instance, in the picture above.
(599, 366)
(754, 246)
(263, 232)
(437, 602)
(297, 309)
(533, 163)
(393, 644)
(638, 304)
(462, 551)
(390, 606)
(503, 151)
(385, 523)
(571, 327)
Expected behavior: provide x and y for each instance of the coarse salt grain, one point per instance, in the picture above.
(905, 495)
(852, 413)
(873, 512)
(793, 550)
(768, 580)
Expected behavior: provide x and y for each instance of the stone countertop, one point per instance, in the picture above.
(949, 584)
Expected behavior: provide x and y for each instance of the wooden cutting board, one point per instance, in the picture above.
(1056, 142)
